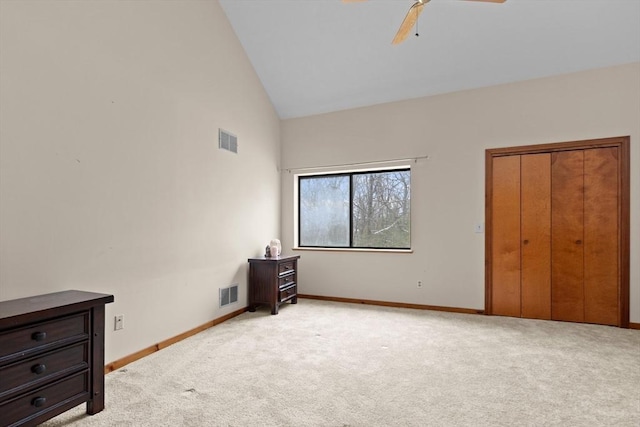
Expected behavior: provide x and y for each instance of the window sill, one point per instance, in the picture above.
(395, 251)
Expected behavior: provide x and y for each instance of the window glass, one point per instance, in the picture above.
(324, 211)
(358, 210)
(381, 210)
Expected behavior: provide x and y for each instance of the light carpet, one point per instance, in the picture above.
(321, 363)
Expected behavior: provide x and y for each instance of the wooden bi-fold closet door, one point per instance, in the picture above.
(556, 245)
(521, 234)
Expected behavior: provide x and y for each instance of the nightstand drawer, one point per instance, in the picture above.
(285, 281)
(47, 398)
(45, 335)
(45, 367)
(286, 268)
(287, 293)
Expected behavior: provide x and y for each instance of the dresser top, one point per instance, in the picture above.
(19, 310)
(275, 258)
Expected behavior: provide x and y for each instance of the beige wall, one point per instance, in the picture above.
(111, 180)
(448, 189)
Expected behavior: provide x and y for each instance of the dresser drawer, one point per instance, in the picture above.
(30, 405)
(287, 293)
(286, 267)
(44, 335)
(49, 366)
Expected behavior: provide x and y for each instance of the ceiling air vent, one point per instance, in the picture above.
(227, 141)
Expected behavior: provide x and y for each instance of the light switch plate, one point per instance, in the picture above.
(479, 227)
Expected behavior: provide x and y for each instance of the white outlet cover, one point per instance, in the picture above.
(118, 323)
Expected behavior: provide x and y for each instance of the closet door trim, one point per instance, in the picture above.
(622, 143)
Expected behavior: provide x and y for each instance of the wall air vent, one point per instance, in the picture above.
(227, 141)
(229, 295)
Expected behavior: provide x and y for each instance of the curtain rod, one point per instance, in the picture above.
(375, 162)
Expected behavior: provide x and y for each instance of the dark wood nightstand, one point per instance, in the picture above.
(273, 281)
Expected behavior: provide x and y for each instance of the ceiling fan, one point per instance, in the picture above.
(412, 17)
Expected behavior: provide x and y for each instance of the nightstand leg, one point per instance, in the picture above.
(274, 309)
(294, 300)
(252, 308)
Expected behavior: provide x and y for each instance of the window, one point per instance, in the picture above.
(368, 209)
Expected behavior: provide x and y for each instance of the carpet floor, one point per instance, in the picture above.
(332, 364)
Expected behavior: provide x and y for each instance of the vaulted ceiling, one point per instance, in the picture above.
(316, 56)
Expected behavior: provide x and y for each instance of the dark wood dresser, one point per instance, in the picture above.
(51, 356)
(273, 281)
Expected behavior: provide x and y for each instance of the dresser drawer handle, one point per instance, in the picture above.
(39, 336)
(39, 401)
(39, 368)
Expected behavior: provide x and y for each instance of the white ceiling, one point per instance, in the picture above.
(316, 56)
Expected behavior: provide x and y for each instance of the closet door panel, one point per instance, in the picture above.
(601, 235)
(567, 248)
(505, 297)
(536, 235)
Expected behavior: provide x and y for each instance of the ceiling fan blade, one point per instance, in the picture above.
(486, 1)
(409, 21)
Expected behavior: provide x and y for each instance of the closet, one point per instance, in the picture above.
(557, 224)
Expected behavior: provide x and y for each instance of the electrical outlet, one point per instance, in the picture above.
(118, 322)
(419, 284)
